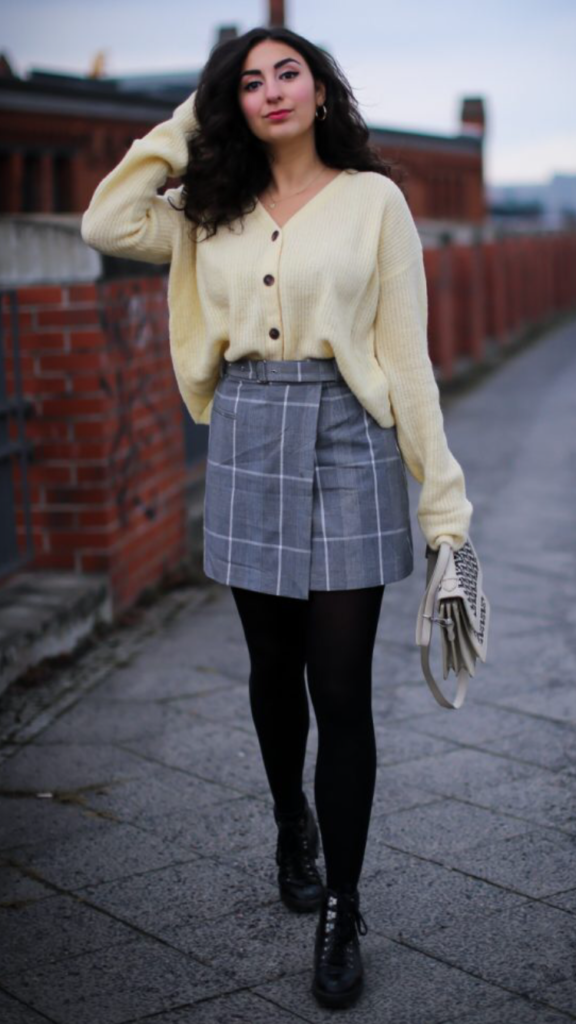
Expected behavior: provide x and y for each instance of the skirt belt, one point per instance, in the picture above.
(272, 371)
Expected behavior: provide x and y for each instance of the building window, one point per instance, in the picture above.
(62, 184)
(31, 183)
(5, 182)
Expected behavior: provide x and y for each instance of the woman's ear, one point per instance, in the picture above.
(320, 94)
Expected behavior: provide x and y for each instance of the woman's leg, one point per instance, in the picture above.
(275, 627)
(341, 630)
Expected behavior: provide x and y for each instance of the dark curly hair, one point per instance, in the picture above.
(228, 166)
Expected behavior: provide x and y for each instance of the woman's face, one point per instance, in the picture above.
(276, 77)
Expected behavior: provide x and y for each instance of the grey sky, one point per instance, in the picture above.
(408, 63)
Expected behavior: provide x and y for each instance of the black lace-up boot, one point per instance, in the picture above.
(297, 848)
(338, 970)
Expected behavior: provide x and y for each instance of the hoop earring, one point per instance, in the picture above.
(324, 108)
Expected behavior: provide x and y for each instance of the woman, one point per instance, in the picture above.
(298, 314)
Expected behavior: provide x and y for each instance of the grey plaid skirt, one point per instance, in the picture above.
(304, 489)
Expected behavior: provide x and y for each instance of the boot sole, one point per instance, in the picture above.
(335, 999)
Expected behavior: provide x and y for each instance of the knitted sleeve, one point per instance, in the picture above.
(126, 217)
(401, 348)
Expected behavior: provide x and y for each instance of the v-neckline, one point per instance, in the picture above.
(321, 192)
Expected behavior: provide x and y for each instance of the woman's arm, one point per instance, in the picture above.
(126, 217)
(401, 344)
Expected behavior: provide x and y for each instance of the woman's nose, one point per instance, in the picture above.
(272, 91)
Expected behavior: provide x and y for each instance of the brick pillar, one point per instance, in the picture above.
(473, 266)
(107, 481)
(496, 297)
(512, 247)
(439, 272)
(458, 287)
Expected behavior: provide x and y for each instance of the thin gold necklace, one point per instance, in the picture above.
(277, 201)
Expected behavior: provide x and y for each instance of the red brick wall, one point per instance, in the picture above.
(106, 483)
(495, 290)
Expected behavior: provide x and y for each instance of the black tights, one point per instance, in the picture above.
(331, 635)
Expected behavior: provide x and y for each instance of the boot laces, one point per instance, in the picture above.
(343, 919)
(306, 859)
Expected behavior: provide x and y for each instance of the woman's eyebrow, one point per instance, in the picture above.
(278, 64)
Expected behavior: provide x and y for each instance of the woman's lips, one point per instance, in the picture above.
(279, 115)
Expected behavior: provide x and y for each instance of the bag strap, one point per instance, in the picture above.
(462, 682)
(424, 623)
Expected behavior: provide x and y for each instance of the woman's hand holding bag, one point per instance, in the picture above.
(454, 591)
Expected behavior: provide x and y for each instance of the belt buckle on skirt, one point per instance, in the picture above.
(255, 369)
(263, 371)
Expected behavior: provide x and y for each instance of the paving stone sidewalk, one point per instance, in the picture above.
(137, 838)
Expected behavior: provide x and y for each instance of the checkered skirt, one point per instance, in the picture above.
(304, 489)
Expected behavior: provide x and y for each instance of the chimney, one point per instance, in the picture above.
(276, 16)
(473, 116)
(6, 69)
(226, 32)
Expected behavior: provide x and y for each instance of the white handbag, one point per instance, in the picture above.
(454, 591)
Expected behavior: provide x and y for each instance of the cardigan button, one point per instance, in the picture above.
(274, 332)
(268, 279)
(275, 235)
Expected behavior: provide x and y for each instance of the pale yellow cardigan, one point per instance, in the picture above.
(344, 277)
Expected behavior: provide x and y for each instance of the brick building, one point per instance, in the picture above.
(60, 134)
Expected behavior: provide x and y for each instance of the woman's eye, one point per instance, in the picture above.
(249, 89)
